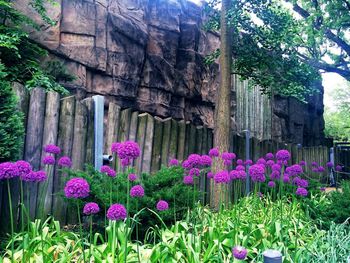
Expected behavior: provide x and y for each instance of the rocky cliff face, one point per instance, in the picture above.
(145, 54)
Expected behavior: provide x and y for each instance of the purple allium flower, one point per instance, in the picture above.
(248, 162)
(205, 161)
(132, 177)
(188, 180)
(300, 182)
(271, 184)
(194, 160)
(241, 175)
(322, 189)
(240, 168)
(269, 156)
(8, 170)
(108, 171)
(23, 167)
(321, 169)
(302, 163)
(301, 191)
(228, 156)
(270, 163)
(261, 161)
(91, 208)
(257, 173)
(77, 188)
(137, 191)
(126, 150)
(162, 205)
(338, 168)
(125, 162)
(210, 175)
(239, 252)
(186, 165)
(275, 175)
(51, 148)
(49, 160)
(116, 212)
(276, 167)
(239, 162)
(315, 169)
(65, 161)
(214, 152)
(294, 170)
(173, 162)
(32, 176)
(314, 164)
(283, 155)
(222, 177)
(194, 172)
(330, 164)
(233, 175)
(286, 179)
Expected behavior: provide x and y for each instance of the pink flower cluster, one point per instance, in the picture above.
(77, 188)
(126, 151)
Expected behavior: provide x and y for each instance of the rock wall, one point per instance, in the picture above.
(147, 55)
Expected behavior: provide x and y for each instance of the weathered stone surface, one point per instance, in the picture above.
(149, 55)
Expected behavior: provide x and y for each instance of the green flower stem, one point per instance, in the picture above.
(81, 230)
(91, 239)
(137, 233)
(113, 239)
(11, 219)
(22, 219)
(127, 219)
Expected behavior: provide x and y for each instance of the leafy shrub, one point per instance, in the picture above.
(11, 121)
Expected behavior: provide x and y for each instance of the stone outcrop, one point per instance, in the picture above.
(147, 55)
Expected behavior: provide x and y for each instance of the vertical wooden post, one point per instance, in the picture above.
(112, 125)
(173, 140)
(166, 141)
(141, 131)
(157, 144)
(147, 149)
(90, 140)
(181, 140)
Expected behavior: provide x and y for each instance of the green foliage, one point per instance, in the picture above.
(21, 57)
(11, 121)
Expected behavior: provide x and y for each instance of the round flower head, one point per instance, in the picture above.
(91, 208)
(321, 169)
(338, 168)
(286, 179)
(162, 205)
(240, 168)
(271, 184)
(239, 252)
(116, 212)
(194, 160)
(227, 162)
(233, 175)
(23, 167)
(51, 148)
(205, 161)
(32, 176)
(294, 170)
(132, 177)
(302, 163)
(314, 164)
(186, 165)
(188, 180)
(77, 188)
(137, 191)
(194, 172)
(276, 167)
(125, 162)
(241, 175)
(239, 162)
(248, 162)
(49, 160)
(108, 171)
(173, 162)
(65, 161)
(269, 156)
(315, 169)
(275, 175)
(222, 177)
(257, 173)
(330, 164)
(210, 175)
(214, 152)
(8, 170)
(301, 191)
(126, 150)
(270, 163)
(283, 155)
(261, 161)
(228, 156)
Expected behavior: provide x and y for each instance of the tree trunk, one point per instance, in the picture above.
(223, 103)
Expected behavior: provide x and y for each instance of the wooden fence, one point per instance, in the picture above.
(69, 123)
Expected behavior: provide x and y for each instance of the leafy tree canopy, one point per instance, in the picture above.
(281, 45)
